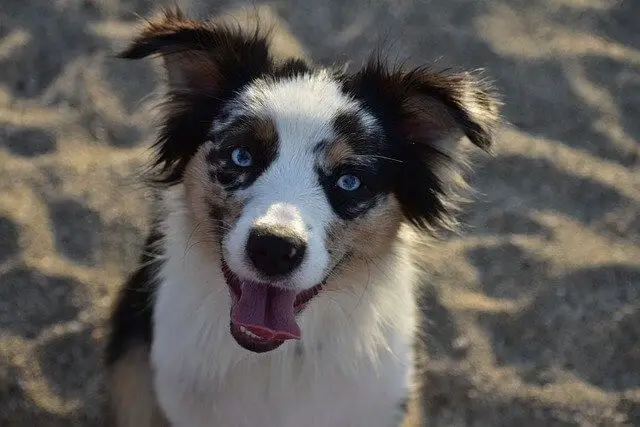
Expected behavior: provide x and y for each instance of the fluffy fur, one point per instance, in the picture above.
(305, 128)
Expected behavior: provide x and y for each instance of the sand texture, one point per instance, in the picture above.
(533, 312)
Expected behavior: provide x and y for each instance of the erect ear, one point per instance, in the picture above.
(425, 114)
(201, 55)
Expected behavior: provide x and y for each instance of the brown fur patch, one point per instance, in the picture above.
(338, 152)
(349, 145)
(186, 46)
(132, 399)
(253, 132)
(213, 209)
(367, 237)
(186, 68)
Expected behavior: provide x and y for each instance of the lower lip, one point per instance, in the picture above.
(248, 342)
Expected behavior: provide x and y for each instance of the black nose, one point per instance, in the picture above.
(275, 252)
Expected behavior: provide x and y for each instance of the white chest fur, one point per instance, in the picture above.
(352, 368)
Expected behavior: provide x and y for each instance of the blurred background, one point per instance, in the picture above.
(533, 312)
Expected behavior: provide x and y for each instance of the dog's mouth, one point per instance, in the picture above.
(263, 316)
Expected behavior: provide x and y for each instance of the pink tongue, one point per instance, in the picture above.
(266, 311)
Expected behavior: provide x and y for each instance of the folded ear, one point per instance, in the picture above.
(206, 64)
(201, 55)
(425, 114)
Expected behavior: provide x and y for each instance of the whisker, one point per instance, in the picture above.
(376, 156)
(193, 232)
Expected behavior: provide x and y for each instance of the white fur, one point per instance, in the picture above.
(354, 364)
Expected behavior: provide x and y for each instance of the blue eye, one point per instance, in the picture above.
(348, 182)
(241, 157)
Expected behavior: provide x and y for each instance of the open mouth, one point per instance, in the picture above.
(263, 316)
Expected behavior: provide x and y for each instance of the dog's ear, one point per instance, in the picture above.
(206, 64)
(201, 56)
(425, 115)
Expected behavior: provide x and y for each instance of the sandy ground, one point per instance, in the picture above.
(533, 313)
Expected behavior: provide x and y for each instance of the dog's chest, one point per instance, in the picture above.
(202, 378)
(247, 398)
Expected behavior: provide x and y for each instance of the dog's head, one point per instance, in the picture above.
(295, 170)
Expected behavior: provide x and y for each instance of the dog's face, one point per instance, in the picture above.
(294, 171)
(297, 157)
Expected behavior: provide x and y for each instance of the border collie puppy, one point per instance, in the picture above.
(277, 286)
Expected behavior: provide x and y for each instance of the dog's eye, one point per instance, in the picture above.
(241, 157)
(348, 182)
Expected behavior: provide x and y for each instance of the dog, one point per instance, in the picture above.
(277, 286)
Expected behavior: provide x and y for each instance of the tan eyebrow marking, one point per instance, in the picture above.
(338, 152)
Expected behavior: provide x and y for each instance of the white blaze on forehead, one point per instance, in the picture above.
(310, 97)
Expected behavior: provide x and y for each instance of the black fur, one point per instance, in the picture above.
(258, 136)
(392, 95)
(350, 205)
(370, 163)
(130, 320)
(291, 68)
(349, 126)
